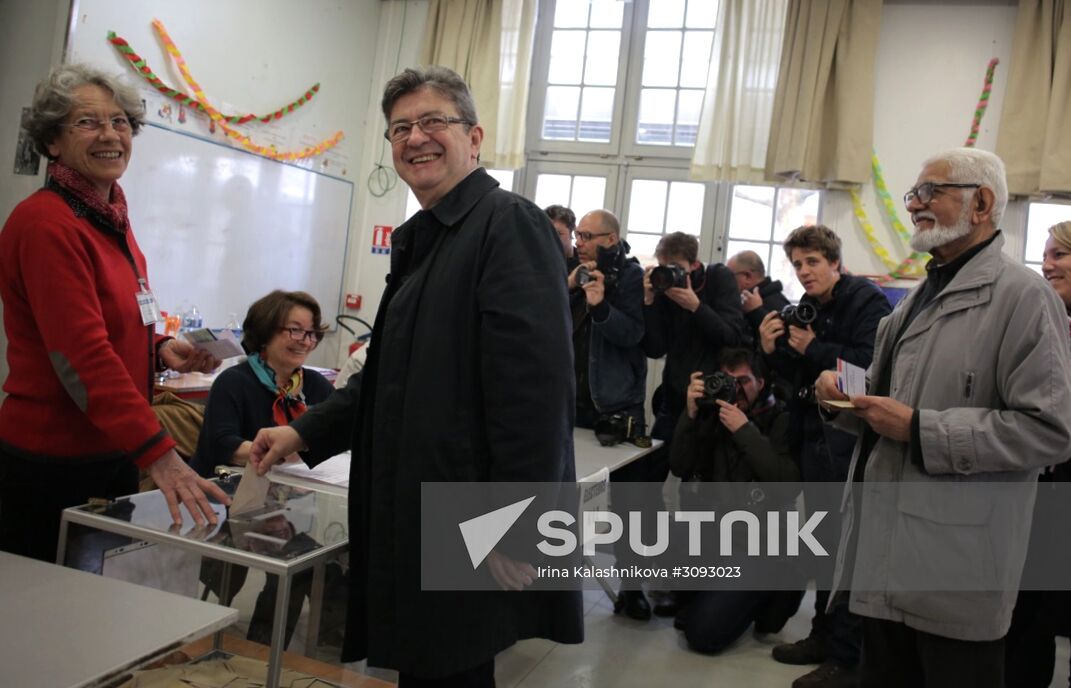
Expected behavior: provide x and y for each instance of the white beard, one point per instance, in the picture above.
(928, 239)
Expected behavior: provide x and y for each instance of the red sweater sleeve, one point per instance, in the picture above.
(82, 297)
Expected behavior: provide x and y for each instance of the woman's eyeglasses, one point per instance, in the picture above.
(300, 334)
(118, 124)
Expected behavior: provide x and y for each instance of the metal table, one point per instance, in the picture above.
(298, 529)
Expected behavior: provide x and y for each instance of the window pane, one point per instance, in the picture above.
(605, 14)
(647, 206)
(566, 57)
(795, 207)
(1041, 216)
(596, 114)
(603, 48)
(702, 14)
(559, 122)
(589, 193)
(751, 214)
(685, 212)
(504, 177)
(662, 58)
(656, 116)
(688, 110)
(695, 62)
(643, 246)
(780, 268)
(761, 248)
(552, 189)
(666, 14)
(568, 13)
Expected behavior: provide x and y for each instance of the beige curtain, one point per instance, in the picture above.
(489, 43)
(821, 129)
(734, 128)
(1034, 138)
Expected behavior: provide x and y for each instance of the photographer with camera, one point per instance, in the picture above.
(691, 311)
(733, 430)
(606, 296)
(759, 294)
(836, 318)
(564, 221)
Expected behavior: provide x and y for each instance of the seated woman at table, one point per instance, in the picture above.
(270, 388)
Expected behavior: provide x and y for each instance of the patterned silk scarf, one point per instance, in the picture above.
(87, 201)
(289, 401)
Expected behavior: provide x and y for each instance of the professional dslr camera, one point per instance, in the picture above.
(667, 277)
(801, 316)
(615, 428)
(717, 386)
(609, 260)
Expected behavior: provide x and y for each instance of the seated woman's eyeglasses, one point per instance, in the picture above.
(118, 124)
(924, 192)
(429, 124)
(299, 334)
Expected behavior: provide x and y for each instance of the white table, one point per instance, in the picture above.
(68, 628)
(591, 457)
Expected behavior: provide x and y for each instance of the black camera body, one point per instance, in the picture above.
(615, 428)
(800, 316)
(718, 386)
(666, 277)
(609, 260)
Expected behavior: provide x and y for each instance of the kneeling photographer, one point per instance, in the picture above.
(733, 430)
(836, 318)
(606, 295)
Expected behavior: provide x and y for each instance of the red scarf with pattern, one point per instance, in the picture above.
(113, 213)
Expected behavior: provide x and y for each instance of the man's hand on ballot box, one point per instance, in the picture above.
(274, 445)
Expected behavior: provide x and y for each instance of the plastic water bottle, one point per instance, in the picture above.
(192, 319)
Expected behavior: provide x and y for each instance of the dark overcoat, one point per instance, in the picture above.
(469, 378)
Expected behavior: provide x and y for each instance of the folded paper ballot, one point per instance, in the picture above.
(251, 493)
(223, 345)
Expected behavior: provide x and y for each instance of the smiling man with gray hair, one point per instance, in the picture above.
(967, 401)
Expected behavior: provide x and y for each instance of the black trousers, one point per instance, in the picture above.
(482, 676)
(34, 494)
(896, 656)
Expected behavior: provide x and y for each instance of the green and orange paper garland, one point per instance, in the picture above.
(912, 264)
(200, 100)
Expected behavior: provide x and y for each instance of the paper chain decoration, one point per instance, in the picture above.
(200, 101)
(913, 263)
(983, 103)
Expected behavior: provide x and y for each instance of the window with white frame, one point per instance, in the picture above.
(1039, 217)
(620, 89)
(759, 220)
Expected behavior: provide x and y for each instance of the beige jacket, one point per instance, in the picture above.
(988, 362)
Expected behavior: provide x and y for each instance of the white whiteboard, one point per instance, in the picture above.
(221, 227)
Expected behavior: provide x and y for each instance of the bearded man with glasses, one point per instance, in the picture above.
(967, 401)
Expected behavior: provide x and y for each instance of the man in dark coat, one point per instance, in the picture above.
(469, 379)
(758, 293)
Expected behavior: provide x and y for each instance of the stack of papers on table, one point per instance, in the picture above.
(334, 471)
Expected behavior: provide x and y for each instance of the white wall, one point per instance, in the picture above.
(930, 68)
(31, 41)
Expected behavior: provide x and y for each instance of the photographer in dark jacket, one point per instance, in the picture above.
(759, 295)
(689, 322)
(718, 442)
(564, 221)
(606, 297)
(847, 311)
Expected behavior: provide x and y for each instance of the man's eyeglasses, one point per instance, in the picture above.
(588, 236)
(924, 192)
(118, 124)
(398, 132)
(300, 334)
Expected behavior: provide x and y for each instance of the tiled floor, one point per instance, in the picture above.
(621, 653)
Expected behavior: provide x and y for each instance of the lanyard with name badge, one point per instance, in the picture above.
(150, 310)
